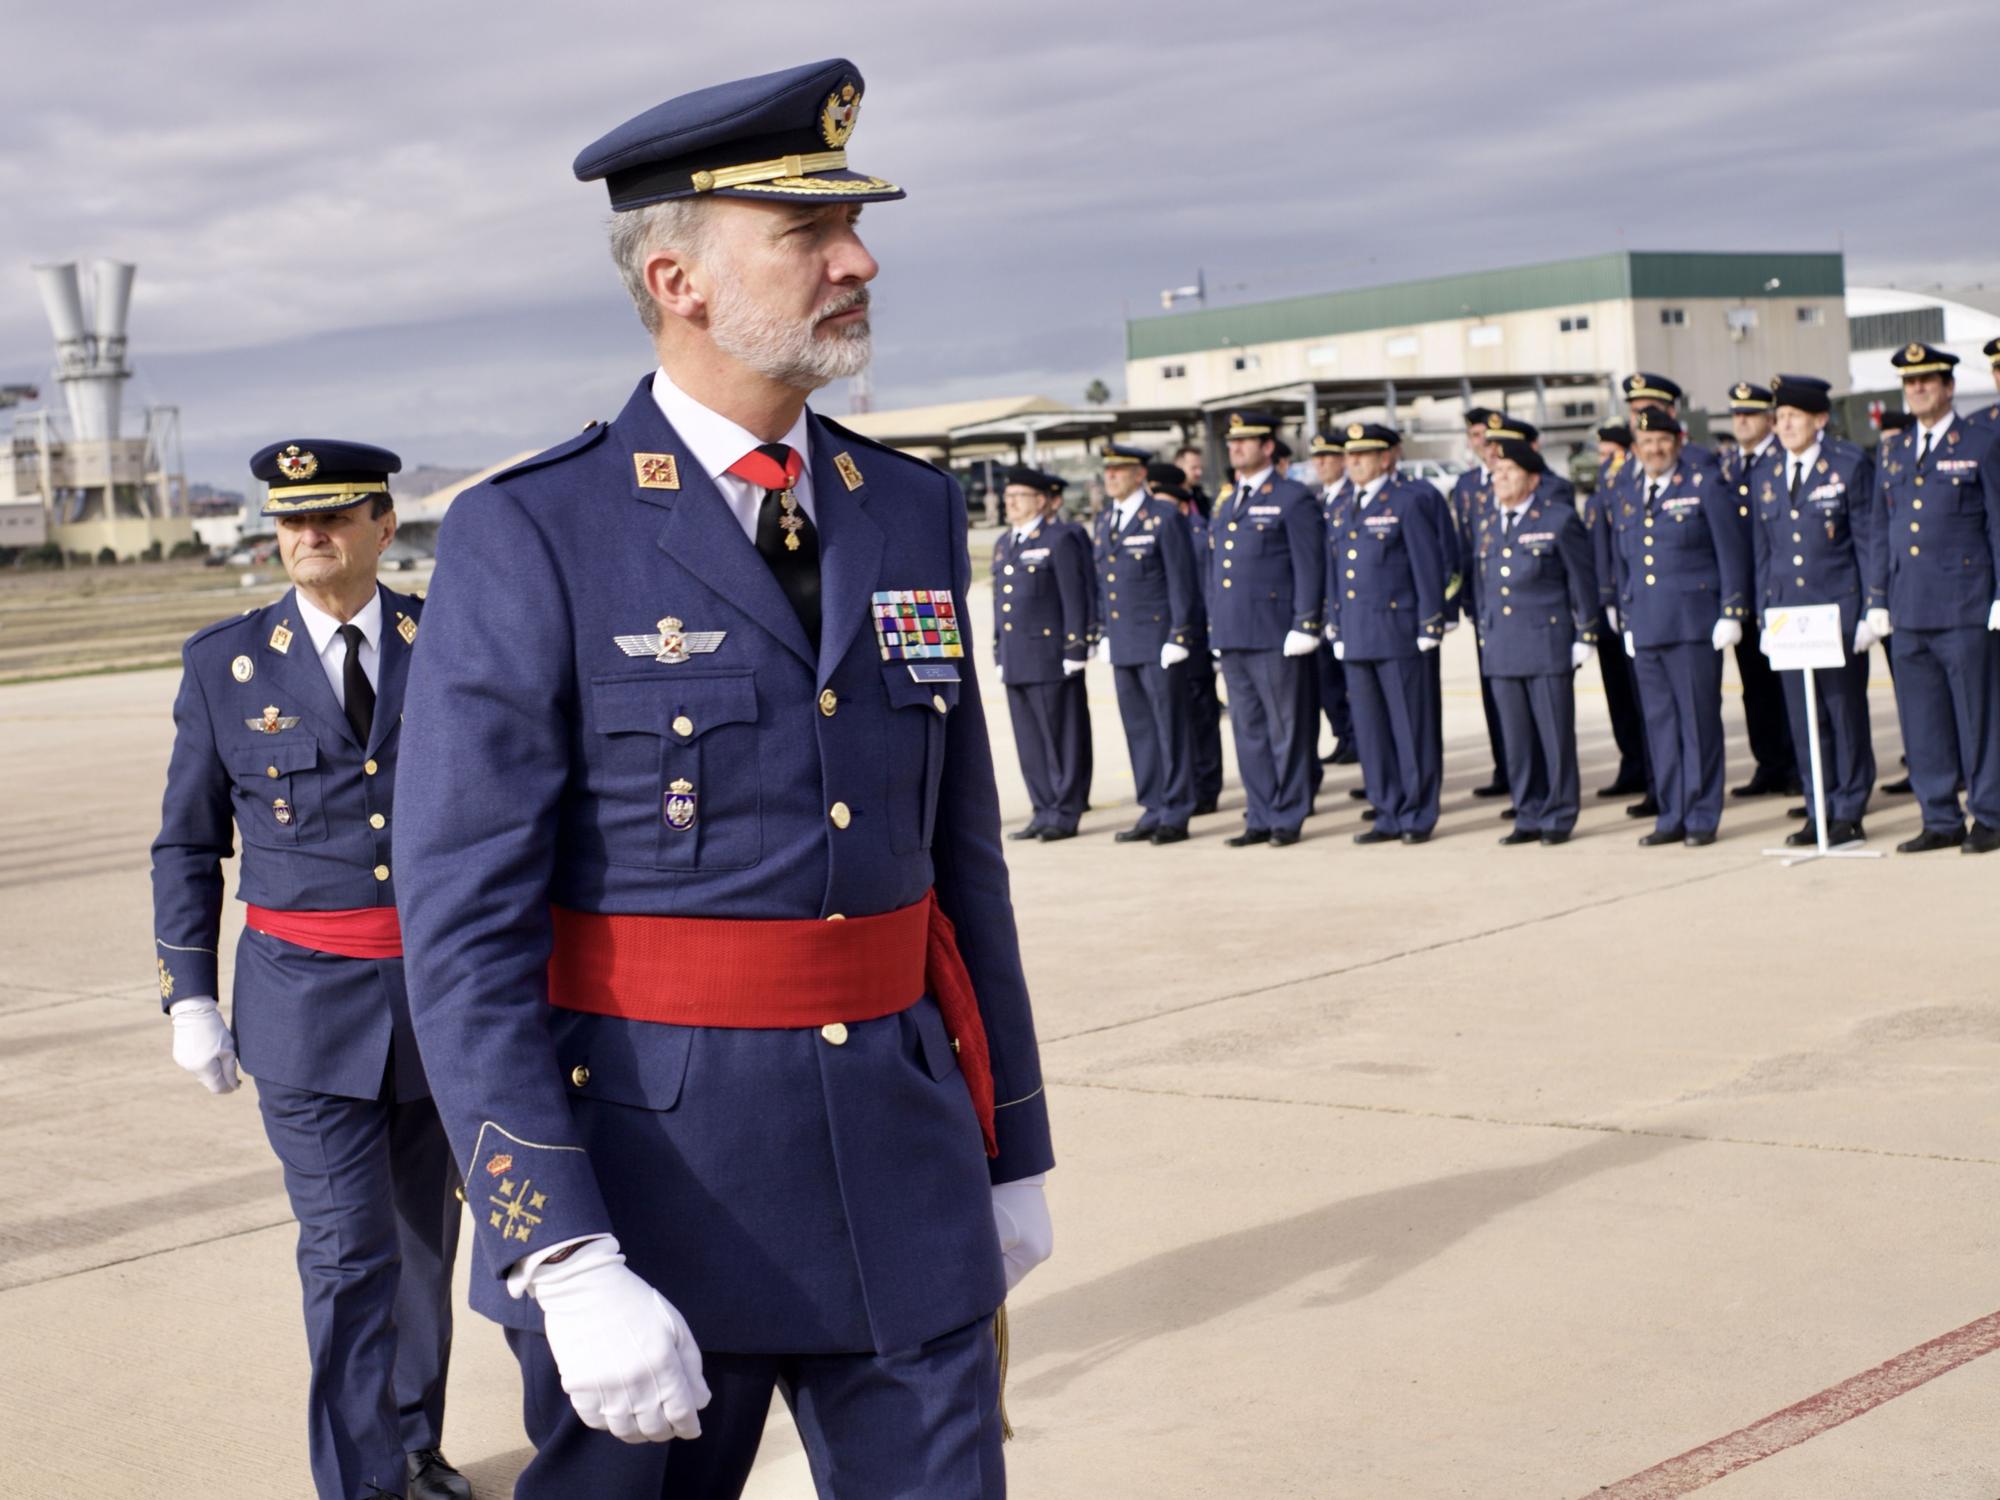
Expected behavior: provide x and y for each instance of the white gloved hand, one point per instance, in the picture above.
(1878, 624)
(1631, 647)
(1611, 615)
(1071, 668)
(1727, 633)
(1993, 616)
(203, 1045)
(1863, 637)
(999, 674)
(626, 1357)
(1172, 655)
(1340, 651)
(1580, 655)
(1427, 643)
(1764, 641)
(1021, 1218)
(1300, 643)
(1102, 650)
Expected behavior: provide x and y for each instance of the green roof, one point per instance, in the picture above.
(1560, 283)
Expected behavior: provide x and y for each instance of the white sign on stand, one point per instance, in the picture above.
(1802, 638)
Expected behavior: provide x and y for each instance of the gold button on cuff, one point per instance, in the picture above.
(834, 1033)
(828, 704)
(683, 726)
(579, 1075)
(840, 815)
(272, 772)
(381, 872)
(937, 699)
(376, 820)
(370, 767)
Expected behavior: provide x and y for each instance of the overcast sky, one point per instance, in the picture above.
(359, 220)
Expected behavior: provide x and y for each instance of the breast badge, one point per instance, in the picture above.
(656, 471)
(281, 639)
(243, 669)
(406, 628)
(849, 475)
(678, 806)
(915, 623)
(669, 643)
(273, 721)
(282, 811)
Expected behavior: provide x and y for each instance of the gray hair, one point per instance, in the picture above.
(678, 224)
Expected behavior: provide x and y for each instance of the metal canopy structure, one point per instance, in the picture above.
(1311, 399)
(1025, 434)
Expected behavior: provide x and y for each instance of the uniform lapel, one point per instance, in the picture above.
(850, 550)
(392, 665)
(298, 668)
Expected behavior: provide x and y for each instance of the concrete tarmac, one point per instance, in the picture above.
(1384, 1172)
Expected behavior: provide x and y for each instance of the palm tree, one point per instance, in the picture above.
(1097, 393)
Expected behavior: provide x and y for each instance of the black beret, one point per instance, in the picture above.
(1517, 451)
(1653, 419)
(1615, 432)
(1803, 392)
(1033, 479)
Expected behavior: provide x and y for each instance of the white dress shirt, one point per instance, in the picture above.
(1372, 489)
(1803, 462)
(716, 443)
(324, 630)
(1935, 434)
(1024, 533)
(1129, 507)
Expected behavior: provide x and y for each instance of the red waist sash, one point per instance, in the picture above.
(365, 932)
(714, 971)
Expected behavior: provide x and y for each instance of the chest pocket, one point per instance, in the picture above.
(279, 800)
(683, 783)
(919, 714)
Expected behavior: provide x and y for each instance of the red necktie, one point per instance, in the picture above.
(785, 533)
(771, 467)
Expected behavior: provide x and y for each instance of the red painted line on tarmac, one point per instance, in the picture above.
(1702, 1466)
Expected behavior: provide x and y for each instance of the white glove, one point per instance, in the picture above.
(1427, 643)
(627, 1360)
(1863, 637)
(1764, 641)
(1878, 624)
(1993, 616)
(1172, 655)
(1580, 655)
(1631, 649)
(1727, 633)
(1340, 651)
(999, 674)
(1071, 668)
(1611, 615)
(1021, 1217)
(1450, 626)
(203, 1045)
(1300, 643)
(1102, 650)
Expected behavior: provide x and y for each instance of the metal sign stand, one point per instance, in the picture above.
(1843, 851)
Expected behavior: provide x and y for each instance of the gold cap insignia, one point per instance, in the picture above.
(1741, 393)
(1493, 421)
(837, 115)
(657, 471)
(296, 463)
(1915, 351)
(1355, 430)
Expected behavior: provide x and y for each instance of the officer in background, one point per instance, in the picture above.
(1684, 578)
(1614, 667)
(1329, 456)
(1816, 528)
(1204, 702)
(1991, 415)
(287, 724)
(1266, 576)
(1042, 585)
(1191, 461)
(1385, 613)
(1076, 685)
(1147, 598)
(1471, 509)
(1937, 570)
(1537, 611)
(1751, 417)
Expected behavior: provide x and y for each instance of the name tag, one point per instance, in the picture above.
(1140, 543)
(1828, 491)
(1267, 510)
(1956, 465)
(1536, 536)
(933, 671)
(1034, 554)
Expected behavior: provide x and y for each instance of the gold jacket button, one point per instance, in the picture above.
(272, 772)
(834, 1033)
(579, 1075)
(459, 1192)
(840, 815)
(683, 726)
(376, 820)
(367, 766)
(937, 699)
(828, 704)
(381, 872)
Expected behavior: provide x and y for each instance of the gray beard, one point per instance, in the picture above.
(789, 353)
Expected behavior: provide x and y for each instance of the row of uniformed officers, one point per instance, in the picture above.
(1337, 600)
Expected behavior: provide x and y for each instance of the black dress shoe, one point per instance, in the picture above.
(1203, 809)
(1798, 838)
(1367, 814)
(1983, 838)
(1521, 836)
(1555, 836)
(1032, 831)
(1900, 787)
(1374, 836)
(1493, 788)
(1624, 786)
(1248, 837)
(1931, 839)
(1701, 838)
(1284, 837)
(1761, 785)
(1647, 809)
(1056, 835)
(1416, 837)
(1801, 811)
(1170, 833)
(1344, 754)
(1138, 833)
(1509, 813)
(1358, 793)
(429, 1477)
(1662, 836)
(1839, 832)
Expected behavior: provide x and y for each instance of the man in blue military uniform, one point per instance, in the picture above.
(1329, 456)
(1169, 481)
(1041, 590)
(1817, 529)
(702, 873)
(1471, 508)
(1266, 574)
(1684, 569)
(1147, 598)
(1751, 417)
(1937, 570)
(1385, 591)
(1076, 685)
(1537, 611)
(287, 724)
(1990, 415)
(1614, 667)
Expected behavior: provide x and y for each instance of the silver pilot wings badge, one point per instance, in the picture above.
(670, 643)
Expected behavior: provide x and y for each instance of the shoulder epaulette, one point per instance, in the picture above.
(221, 625)
(589, 437)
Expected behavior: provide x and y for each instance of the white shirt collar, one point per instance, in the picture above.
(1129, 506)
(1808, 458)
(1936, 433)
(1024, 533)
(1373, 488)
(324, 628)
(1254, 483)
(1758, 452)
(716, 443)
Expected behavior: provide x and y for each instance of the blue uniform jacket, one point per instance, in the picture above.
(1824, 551)
(1093, 626)
(316, 809)
(1266, 570)
(1041, 593)
(1683, 563)
(1386, 577)
(1146, 592)
(1940, 554)
(1536, 591)
(784, 1192)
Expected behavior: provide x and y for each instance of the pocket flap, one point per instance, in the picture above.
(685, 707)
(620, 1062)
(288, 752)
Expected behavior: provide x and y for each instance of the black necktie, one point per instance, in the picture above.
(1798, 475)
(355, 687)
(1925, 451)
(785, 533)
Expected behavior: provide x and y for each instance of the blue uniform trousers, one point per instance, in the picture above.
(1204, 724)
(1846, 742)
(1333, 694)
(1538, 732)
(1153, 704)
(1276, 729)
(1621, 704)
(371, 1185)
(912, 1425)
(1680, 691)
(1496, 734)
(1052, 739)
(1392, 701)
(1948, 696)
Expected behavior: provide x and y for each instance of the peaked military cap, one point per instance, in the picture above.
(1370, 437)
(1516, 450)
(1897, 421)
(1749, 399)
(1645, 386)
(308, 475)
(1653, 419)
(1802, 392)
(1034, 479)
(1615, 432)
(778, 137)
(1252, 423)
(1475, 416)
(1922, 359)
(1992, 352)
(1500, 425)
(1324, 443)
(1125, 453)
